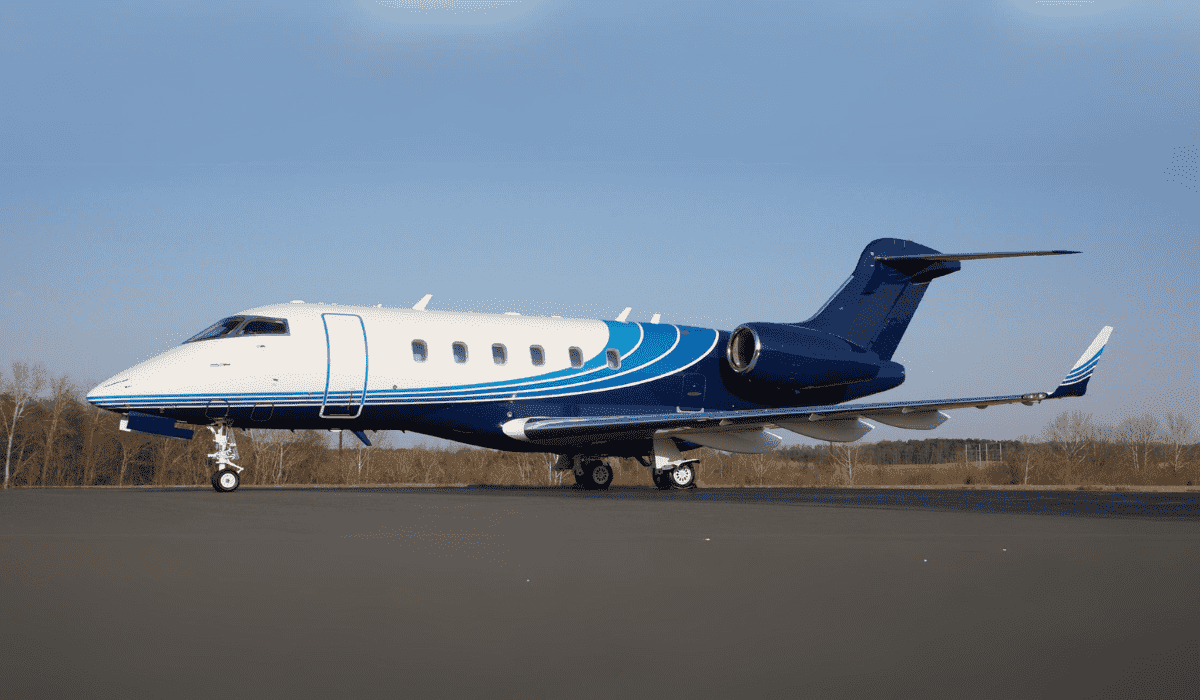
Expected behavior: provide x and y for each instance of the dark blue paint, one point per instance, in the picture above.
(157, 425)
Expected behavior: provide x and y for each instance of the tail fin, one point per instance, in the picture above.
(873, 308)
(1076, 381)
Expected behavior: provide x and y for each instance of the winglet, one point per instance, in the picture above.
(625, 314)
(420, 305)
(1075, 383)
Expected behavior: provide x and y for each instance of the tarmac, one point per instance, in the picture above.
(560, 593)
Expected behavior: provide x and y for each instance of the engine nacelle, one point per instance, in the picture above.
(794, 357)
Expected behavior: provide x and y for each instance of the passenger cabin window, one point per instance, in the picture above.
(265, 326)
(220, 329)
(614, 359)
(460, 352)
(499, 354)
(420, 350)
(537, 355)
(576, 357)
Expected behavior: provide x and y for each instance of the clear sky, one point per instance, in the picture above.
(165, 164)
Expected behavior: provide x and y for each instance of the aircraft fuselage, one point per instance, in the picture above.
(454, 375)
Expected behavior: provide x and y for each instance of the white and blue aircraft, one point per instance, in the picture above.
(586, 390)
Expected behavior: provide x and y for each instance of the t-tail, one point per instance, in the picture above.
(872, 309)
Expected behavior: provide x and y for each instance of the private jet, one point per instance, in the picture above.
(585, 390)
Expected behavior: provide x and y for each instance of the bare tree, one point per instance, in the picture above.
(844, 454)
(1072, 435)
(1138, 434)
(130, 443)
(62, 396)
(1178, 432)
(27, 382)
(92, 443)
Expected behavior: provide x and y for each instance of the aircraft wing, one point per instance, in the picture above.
(839, 423)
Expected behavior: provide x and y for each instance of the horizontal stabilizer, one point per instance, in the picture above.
(943, 257)
(1075, 383)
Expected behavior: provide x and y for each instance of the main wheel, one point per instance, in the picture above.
(662, 480)
(226, 480)
(683, 476)
(594, 474)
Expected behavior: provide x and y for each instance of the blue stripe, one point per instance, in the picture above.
(1087, 366)
(650, 360)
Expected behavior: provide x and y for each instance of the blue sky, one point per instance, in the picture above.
(165, 164)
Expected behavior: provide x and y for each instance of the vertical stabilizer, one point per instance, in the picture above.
(873, 308)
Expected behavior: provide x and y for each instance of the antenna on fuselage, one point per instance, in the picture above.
(420, 305)
(624, 314)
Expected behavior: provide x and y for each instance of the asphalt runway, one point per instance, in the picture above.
(556, 593)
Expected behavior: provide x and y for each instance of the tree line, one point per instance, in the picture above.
(53, 437)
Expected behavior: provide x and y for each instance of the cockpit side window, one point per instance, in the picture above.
(265, 326)
(219, 329)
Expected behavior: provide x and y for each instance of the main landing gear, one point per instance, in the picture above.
(591, 473)
(670, 470)
(225, 479)
(682, 476)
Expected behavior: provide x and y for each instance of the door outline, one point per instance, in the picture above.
(329, 371)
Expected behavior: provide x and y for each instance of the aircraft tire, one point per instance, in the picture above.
(662, 480)
(226, 480)
(682, 477)
(596, 475)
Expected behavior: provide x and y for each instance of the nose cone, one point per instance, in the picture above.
(107, 393)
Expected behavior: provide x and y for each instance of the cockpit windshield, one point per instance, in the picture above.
(264, 326)
(242, 325)
(220, 329)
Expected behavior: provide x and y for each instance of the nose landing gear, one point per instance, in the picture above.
(225, 479)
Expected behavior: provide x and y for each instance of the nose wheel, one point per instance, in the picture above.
(228, 475)
(226, 480)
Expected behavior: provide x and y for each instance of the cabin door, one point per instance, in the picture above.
(346, 369)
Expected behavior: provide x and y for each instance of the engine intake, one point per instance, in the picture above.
(795, 357)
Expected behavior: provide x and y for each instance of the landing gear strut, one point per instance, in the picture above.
(225, 479)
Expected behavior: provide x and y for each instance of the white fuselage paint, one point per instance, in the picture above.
(304, 360)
